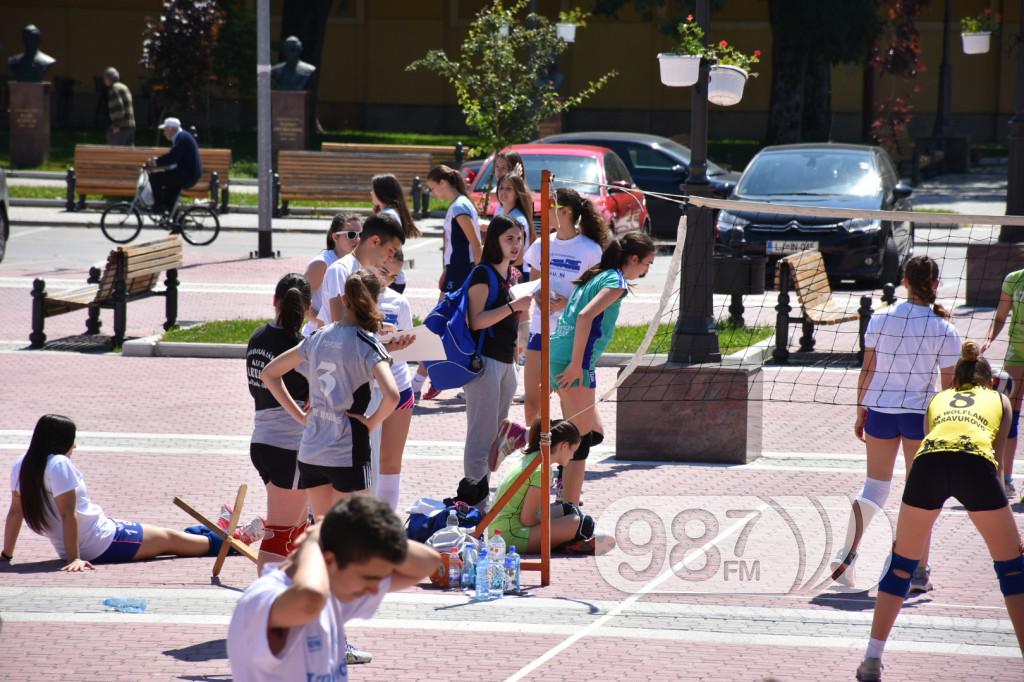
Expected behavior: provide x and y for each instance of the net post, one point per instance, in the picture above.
(545, 378)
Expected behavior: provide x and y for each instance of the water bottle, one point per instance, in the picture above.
(453, 519)
(454, 570)
(512, 566)
(483, 582)
(129, 605)
(496, 553)
(469, 559)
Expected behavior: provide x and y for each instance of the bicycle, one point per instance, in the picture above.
(121, 222)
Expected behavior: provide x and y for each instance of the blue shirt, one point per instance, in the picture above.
(456, 250)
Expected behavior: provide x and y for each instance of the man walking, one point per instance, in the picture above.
(182, 165)
(119, 105)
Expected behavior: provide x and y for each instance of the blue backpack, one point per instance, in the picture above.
(420, 527)
(450, 320)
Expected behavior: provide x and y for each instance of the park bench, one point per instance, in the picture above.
(439, 154)
(114, 171)
(327, 176)
(805, 273)
(130, 274)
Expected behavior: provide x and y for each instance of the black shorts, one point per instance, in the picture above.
(971, 479)
(343, 479)
(275, 465)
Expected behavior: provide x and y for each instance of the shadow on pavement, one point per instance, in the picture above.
(32, 567)
(213, 650)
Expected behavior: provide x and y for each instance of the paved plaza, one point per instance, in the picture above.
(153, 428)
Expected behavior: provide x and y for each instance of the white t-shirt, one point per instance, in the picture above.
(334, 283)
(398, 219)
(398, 313)
(327, 257)
(569, 259)
(911, 344)
(95, 529)
(315, 651)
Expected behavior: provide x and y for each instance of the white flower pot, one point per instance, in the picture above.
(679, 70)
(976, 43)
(566, 32)
(726, 85)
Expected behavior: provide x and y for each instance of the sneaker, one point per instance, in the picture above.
(356, 656)
(251, 532)
(870, 670)
(431, 393)
(842, 567)
(595, 546)
(921, 582)
(511, 437)
(224, 520)
(519, 398)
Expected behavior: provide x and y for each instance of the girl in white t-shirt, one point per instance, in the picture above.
(906, 348)
(342, 239)
(48, 492)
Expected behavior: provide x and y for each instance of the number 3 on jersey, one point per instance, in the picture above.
(325, 375)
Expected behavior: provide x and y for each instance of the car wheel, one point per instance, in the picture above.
(890, 270)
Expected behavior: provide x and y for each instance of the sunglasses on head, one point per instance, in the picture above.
(349, 234)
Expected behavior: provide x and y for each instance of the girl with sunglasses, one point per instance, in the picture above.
(342, 239)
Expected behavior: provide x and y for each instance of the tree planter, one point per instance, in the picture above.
(679, 70)
(726, 85)
(566, 32)
(976, 43)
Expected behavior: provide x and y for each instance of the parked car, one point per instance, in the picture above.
(833, 175)
(5, 221)
(657, 164)
(470, 169)
(595, 172)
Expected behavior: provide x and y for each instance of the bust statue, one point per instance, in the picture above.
(31, 65)
(292, 73)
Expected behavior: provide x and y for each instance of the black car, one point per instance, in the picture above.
(819, 175)
(5, 221)
(657, 164)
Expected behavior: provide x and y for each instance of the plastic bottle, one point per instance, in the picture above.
(469, 559)
(453, 519)
(496, 552)
(454, 570)
(483, 582)
(512, 568)
(126, 605)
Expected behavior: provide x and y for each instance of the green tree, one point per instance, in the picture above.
(234, 55)
(504, 84)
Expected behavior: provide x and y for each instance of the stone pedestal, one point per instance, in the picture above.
(30, 123)
(987, 265)
(690, 413)
(289, 111)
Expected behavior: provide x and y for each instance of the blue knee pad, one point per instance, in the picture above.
(1011, 575)
(1013, 424)
(892, 583)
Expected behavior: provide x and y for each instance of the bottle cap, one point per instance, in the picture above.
(454, 551)
(497, 532)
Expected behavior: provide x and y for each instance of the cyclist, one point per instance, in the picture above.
(184, 167)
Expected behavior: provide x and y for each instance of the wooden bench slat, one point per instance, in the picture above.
(100, 169)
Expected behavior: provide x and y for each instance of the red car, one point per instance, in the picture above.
(595, 172)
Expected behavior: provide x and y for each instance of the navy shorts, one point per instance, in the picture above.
(406, 399)
(455, 275)
(126, 543)
(533, 343)
(885, 425)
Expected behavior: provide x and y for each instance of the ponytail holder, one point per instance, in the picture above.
(545, 438)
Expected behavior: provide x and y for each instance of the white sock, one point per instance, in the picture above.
(417, 382)
(388, 486)
(875, 648)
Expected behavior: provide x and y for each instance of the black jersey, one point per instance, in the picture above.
(267, 343)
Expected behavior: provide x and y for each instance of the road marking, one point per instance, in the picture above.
(28, 232)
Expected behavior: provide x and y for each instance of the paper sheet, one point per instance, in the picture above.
(525, 289)
(427, 346)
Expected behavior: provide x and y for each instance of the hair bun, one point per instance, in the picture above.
(969, 351)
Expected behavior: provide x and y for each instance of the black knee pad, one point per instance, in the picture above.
(587, 440)
(585, 531)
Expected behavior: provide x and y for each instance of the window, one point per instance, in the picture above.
(615, 169)
(645, 157)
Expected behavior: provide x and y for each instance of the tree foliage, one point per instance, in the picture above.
(504, 84)
(177, 50)
(234, 56)
(900, 60)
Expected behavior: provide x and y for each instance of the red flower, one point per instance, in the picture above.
(689, 17)
(988, 10)
(757, 53)
(724, 43)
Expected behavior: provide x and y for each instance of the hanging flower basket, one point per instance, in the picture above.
(976, 43)
(726, 85)
(566, 32)
(679, 70)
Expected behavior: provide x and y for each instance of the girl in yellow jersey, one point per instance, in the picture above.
(967, 425)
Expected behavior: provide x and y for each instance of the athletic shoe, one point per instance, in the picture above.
(870, 670)
(356, 656)
(846, 577)
(511, 437)
(251, 532)
(921, 582)
(431, 392)
(595, 546)
(224, 520)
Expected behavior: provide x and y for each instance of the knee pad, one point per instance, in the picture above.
(282, 540)
(1011, 575)
(1013, 424)
(875, 490)
(894, 584)
(585, 531)
(587, 440)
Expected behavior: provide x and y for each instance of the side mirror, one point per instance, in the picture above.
(680, 170)
(902, 190)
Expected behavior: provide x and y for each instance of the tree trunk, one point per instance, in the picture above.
(307, 20)
(817, 114)
(789, 68)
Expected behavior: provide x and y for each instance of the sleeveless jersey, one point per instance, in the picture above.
(963, 420)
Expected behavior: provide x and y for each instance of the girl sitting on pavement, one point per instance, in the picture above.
(48, 492)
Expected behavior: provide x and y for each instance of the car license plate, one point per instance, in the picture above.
(787, 247)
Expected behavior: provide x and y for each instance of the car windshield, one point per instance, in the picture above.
(578, 172)
(684, 152)
(810, 172)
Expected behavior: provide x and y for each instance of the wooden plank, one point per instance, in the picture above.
(238, 545)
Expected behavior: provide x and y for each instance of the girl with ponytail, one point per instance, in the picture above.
(343, 358)
(48, 493)
(274, 446)
(906, 348)
(967, 427)
(388, 198)
(584, 330)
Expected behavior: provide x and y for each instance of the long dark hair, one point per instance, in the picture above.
(338, 224)
(498, 226)
(585, 214)
(512, 160)
(617, 252)
(922, 272)
(362, 289)
(293, 298)
(971, 369)
(524, 200)
(449, 175)
(54, 435)
(562, 431)
(387, 188)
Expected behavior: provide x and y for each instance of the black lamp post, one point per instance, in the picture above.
(1015, 172)
(695, 339)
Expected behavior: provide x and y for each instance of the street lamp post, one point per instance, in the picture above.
(695, 340)
(263, 123)
(1015, 171)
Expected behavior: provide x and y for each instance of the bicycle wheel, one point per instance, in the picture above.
(199, 225)
(121, 223)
